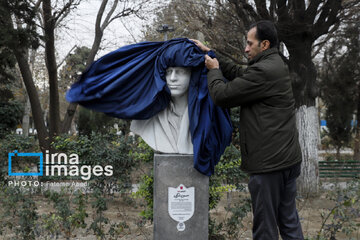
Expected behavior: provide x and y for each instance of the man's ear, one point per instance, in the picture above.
(265, 45)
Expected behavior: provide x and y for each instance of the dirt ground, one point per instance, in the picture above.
(309, 209)
(122, 211)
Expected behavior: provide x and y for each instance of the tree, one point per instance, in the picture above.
(75, 64)
(340, 71)
(7, 64)
(19, 33)
(87, 121)
(102, 22)
(170, 14)
(50, 20)
(340, 105)
(19, 36)
(90, 122)
(10, 115)
(11, 109)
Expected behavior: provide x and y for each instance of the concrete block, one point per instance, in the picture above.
(172, 170)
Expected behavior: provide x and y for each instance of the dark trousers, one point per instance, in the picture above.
(274, 208)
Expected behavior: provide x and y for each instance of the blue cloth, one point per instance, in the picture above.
(129, 83)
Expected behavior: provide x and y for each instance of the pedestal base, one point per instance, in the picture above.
(171, 170)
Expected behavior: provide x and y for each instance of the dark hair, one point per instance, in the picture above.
(265, 30)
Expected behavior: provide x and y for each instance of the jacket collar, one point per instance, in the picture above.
(262, 55)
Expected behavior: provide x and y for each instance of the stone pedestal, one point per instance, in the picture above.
(173, 170)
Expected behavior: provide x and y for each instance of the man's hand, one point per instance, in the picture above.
(200, 45)
(211, 63)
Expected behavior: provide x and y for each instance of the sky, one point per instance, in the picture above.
(80, 30)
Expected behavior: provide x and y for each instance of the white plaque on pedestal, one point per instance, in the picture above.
(181, 204)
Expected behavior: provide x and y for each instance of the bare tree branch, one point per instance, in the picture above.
(299, 9)
(244, 11)
(285, 59)
(312, 11)
(282, 11)
(261, 9)
(64, 59)
(36, 4)
(128, 30)
(272, 9)
(99, 31)
(99, 17)
(328, 17)
(108, 16)
(239, 50)
(231, 57)
(321, 44)
(124, 13)
(59, 15)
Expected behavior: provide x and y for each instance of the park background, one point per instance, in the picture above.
(46, 44)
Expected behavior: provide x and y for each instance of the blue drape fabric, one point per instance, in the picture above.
(130, 83)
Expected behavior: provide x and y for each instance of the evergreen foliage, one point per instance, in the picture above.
(75, 64)
(10, 114)
(340, 80)
(10, 37)
(91, 122)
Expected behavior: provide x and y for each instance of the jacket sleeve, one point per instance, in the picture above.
(251, 86)
(228, 67)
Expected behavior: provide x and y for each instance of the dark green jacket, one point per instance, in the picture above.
(268, 134)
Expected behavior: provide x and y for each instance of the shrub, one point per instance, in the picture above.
(143, 153)
(19, 213)
(342, 217)
(13, 142)
(228, 177)
(10, 115)
(107, 149)
(69, 214)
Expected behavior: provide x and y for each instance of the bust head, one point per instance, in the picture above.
(169, 130)
(178, 79)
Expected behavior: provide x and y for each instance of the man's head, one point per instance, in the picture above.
(178, 79)
(261, 36)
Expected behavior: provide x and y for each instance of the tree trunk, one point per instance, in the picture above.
(356, 156)
(69, 115)
(49, 28)
(357, 130)
(308, 126)
(95, 47)
(305, 92)
(34, 99)
(26, 117)
(22, 60)
(73, 127)
(70, 112)
(338, 149)
(27, 108)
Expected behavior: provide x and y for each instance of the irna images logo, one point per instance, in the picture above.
(58, 164)
(15, 153)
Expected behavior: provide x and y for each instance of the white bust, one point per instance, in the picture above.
(169, 131)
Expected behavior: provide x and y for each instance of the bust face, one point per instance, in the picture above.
(177, 79)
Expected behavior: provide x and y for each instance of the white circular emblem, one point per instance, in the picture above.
(181, 226)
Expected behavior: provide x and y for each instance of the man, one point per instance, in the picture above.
(269, 141)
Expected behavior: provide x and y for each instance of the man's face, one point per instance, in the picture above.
(253, 47)
(177, 79)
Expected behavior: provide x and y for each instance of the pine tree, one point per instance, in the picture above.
(340, 84)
